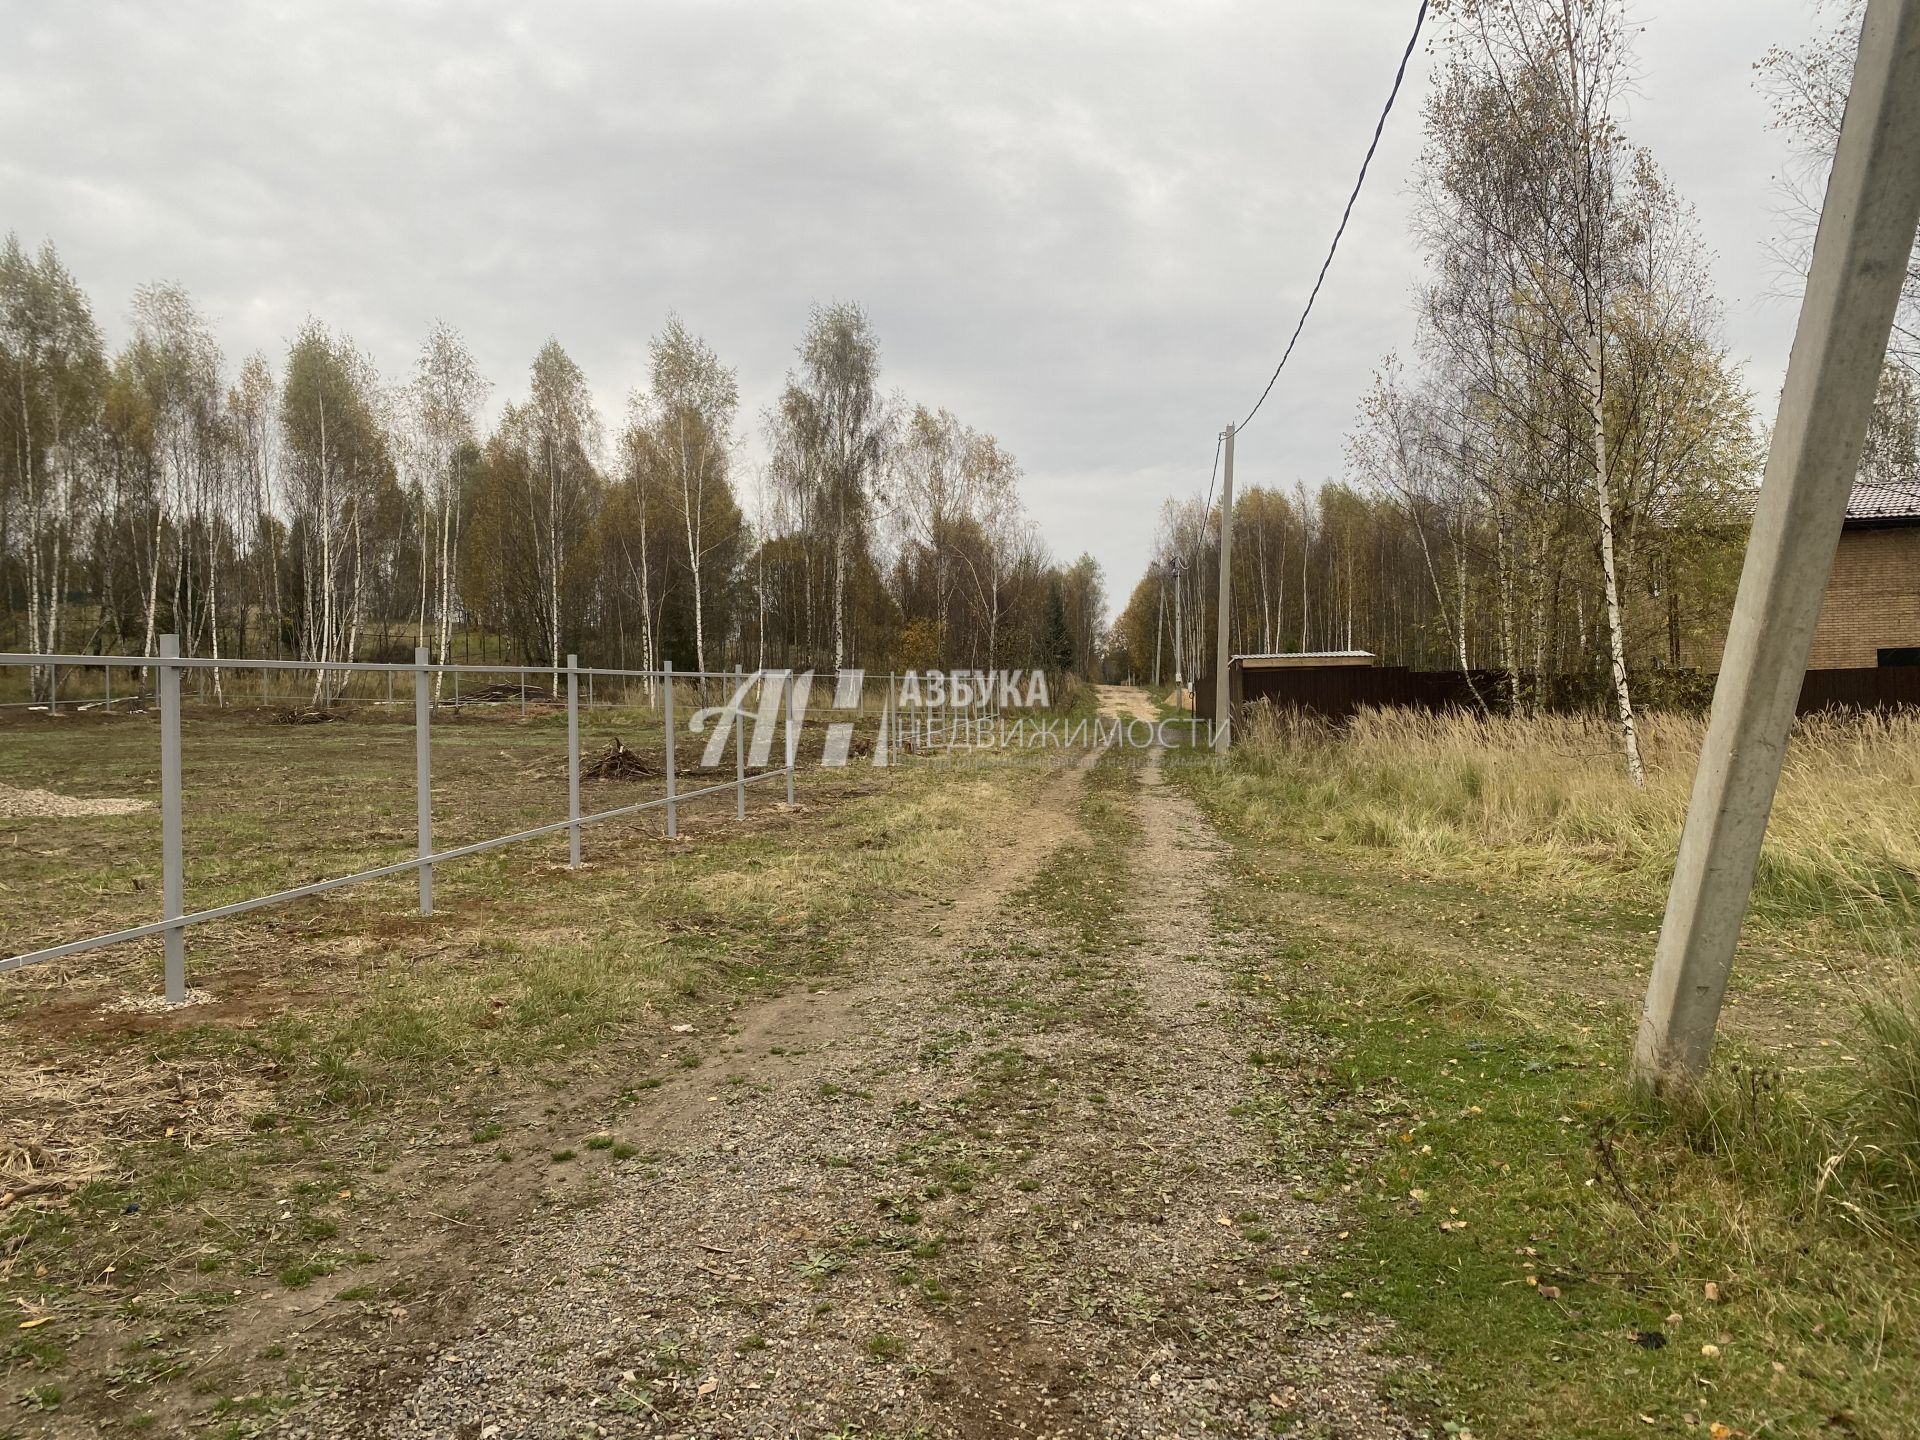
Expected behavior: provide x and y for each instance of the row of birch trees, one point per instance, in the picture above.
(306, 507)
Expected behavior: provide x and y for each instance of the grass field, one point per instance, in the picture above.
(1462, 914)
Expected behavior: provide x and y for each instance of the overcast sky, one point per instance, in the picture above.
(1086, 228)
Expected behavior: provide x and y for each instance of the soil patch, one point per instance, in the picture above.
(17, 804)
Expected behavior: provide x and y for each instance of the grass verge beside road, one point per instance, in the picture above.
(1462, 938)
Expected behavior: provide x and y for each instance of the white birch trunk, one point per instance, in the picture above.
(1616, 625)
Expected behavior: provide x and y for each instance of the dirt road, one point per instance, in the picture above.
(1010, 1180)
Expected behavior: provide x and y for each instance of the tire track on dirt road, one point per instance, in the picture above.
(1001, 1184)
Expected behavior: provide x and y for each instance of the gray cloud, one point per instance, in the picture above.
(1086, 227)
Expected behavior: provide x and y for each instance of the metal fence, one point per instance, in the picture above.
(169, 667)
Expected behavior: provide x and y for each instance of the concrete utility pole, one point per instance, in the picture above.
(1860, 258)
(1222, 718)
(1178, 634)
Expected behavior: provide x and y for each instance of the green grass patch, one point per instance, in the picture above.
(884, 1348)
(1082, 888)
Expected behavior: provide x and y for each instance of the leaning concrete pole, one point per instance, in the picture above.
(1859, 261)
(1222, 717)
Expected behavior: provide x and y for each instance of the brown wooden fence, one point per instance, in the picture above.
(1336, 691)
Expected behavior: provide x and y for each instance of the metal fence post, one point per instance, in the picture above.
(389, 687)
(673, 817)
(523, 694)
(786, 730)
(106, 672)
(739, 750)
(53, 689)
(173, 865)
(423, 771)
(573, 760)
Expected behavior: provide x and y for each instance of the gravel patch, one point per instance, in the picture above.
(157, 1004)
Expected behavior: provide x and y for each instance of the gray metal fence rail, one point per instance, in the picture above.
(169, 666)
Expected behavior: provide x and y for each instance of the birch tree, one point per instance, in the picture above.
(254, 407)
(689, 424)
(1400, 447)
(1808, 89)
(179, 364)
(952, 498)
(838, 424)
(541, 487)
(337, 458)
(442, 408)
(52, 370)
(629, 529)
(1542, 78)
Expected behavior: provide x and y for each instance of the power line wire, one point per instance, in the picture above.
(1398, 75)
(1214, 474)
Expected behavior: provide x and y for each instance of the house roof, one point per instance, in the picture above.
(1296, 654)
(1303, 658)
(1880, 502)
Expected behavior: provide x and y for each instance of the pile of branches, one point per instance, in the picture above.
(505, 690)
(617, 762)
(303, 715)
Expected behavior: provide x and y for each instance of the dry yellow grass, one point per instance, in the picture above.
(1546, 801)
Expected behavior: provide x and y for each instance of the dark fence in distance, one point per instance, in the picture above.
(1336, 691)
(1883, 687)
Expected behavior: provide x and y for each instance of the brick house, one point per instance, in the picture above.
(1871, 615)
